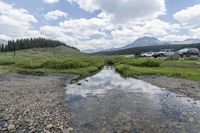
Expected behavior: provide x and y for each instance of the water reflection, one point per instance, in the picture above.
(107, 80)
(106, 102)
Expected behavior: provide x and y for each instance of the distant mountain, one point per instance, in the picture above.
(145, 44)
(152, 41)
(155, 48)
(187, 41)
(89, 51)
(144, 41)
(3, 41)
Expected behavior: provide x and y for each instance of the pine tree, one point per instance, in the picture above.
(1, 48)
(32, 43)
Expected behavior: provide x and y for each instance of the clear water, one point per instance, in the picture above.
(109, 103)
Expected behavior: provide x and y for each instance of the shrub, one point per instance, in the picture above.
(109, 61)
(64, 64)
(173, 57)
(122, 69)
(7, 62)
(192, 58)
(150, 63)
(28, 64)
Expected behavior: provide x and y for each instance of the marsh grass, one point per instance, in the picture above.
(183, 68)
(59, 59)
(140, 62)
(66, 60)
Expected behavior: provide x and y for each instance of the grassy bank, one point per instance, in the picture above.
(188, 68)
(67, 60)
(59, 59)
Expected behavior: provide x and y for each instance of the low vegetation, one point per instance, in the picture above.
(58, 59)
(70, 60)
(171, 67)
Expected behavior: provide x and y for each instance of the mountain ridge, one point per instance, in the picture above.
(152, 41)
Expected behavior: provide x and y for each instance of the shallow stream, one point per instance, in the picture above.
(109, 103)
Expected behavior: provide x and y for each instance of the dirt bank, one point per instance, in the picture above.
(33, 103)
(181, 86)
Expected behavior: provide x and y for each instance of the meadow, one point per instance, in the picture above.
(188, 68)
(59, 59)
(66, 60)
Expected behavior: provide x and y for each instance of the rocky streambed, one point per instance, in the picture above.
(180, 86)
(34, 103)
(102, 103)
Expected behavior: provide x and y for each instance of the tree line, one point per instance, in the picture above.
(20, 44)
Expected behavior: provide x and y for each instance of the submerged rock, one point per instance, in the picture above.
(79, 84)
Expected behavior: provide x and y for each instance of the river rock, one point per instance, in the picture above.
(79, 84)
(49, 126)
(191, 119)
(11, 127)
(70, 129)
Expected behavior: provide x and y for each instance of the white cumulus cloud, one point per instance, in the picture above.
(189, 16)
(117, 24)
(53, 15)
(195, 32)
(16, 22)
(125, 10)
(51, 1)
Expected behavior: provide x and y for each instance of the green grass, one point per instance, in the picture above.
(181, 68)
(4, 70)
(59, 59)
(66, 60)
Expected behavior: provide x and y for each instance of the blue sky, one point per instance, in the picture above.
(100, 24)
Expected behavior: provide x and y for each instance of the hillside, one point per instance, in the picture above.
(138, 50)
(29, 43)
(58, 59)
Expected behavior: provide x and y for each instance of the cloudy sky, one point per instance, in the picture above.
(100, 24)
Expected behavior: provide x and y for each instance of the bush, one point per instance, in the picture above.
(109, 61)
(150, 63)
(140, 62)
(64, 64)
(29, 64)
(123, 69)
(192, 58)
(7, 62)
(173, 57)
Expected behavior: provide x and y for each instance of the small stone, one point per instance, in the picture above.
(70, 129)
(11, 127)
(79, 84)
(191, 119)
(49, 126)
(73, 81)
(61, 128)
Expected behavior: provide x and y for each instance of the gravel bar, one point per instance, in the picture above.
(34, 103)
(181, 86)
